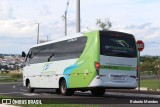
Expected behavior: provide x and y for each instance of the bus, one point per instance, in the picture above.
(92, 61)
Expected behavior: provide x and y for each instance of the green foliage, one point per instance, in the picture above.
(149, 65)
(149, 58)
(104, 25)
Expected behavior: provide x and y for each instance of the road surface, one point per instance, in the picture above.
(17, 90)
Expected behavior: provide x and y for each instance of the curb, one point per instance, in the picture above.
(148, 89)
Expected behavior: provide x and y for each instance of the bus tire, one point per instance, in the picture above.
(98, 92)
(57, 91)
(30, 89)
(64, 90)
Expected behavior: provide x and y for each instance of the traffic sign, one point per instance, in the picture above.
(140, 45)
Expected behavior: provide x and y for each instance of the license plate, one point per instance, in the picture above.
(118, 77)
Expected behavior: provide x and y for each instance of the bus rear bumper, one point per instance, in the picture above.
(98, 82)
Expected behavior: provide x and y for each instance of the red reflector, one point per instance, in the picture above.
(137, 68)
(97, 65)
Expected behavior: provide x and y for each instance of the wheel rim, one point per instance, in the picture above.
(29, 86)
(63, 89)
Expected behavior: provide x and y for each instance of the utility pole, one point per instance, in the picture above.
(47, 39)
(65, 19)
(78, 16)
(38, 34)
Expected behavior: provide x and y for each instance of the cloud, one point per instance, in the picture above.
(17, 28)
(15, 45)
(45, 10)
(145, 31)
(17, 35)
(151, 49)
(148, 33)
(6, 11)
(19, 18)
(142, 26)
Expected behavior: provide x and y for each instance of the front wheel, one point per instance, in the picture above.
(64, 90)
(30, 89)
(98, 92)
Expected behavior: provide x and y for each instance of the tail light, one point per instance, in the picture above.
(97, 66)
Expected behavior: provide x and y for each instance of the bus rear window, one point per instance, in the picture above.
(117, 44)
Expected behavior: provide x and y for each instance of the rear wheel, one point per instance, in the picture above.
(97, 92)
(30, 89)
(64, 90)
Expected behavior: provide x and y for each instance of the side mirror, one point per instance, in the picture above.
(23, 54)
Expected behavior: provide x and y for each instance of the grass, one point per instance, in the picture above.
(151, 84)
(13, 77)
(1, 96)
(8, 80)
(6, 74)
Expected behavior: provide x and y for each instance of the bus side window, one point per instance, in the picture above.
(29, 55)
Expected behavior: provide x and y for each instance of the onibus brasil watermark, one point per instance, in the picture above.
(21, 101)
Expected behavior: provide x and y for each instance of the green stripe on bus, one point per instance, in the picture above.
(118, 67)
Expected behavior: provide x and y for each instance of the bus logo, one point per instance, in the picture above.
(46, 67)
(121, 42)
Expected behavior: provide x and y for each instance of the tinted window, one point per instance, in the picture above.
(117, 44)
(62, 50)
(69, 49)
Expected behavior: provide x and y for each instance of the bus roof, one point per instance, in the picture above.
(59, 39)
(74, 36)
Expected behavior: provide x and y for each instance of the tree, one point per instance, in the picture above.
(149, 65)
(104, 25)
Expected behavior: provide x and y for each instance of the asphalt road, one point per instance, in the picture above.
(18, 90)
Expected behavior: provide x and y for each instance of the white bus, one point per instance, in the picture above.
(92, 61)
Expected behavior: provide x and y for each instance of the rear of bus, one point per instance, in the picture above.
(118, 60)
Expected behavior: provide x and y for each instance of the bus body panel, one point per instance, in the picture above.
(118, 61)
(84, 69)
(116, 72)
(46, 75)
(80, 72)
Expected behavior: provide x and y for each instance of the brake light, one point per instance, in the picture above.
(97, 66)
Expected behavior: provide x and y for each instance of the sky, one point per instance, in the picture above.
(19, 18)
